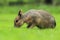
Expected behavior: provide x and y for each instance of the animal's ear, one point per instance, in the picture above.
(20, 13)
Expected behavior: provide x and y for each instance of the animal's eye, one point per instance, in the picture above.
(16, 20)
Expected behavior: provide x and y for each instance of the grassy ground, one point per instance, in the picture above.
(8, 32)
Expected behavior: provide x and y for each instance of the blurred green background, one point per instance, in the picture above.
(9, 10)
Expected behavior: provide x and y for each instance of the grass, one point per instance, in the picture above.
(8, 32)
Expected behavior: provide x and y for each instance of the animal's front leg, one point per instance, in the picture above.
(30, 25)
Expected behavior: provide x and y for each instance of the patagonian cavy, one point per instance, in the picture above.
(39, 18)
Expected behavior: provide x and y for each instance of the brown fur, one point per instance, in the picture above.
(39, 18)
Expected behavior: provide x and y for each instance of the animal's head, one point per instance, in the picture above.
(19, 19)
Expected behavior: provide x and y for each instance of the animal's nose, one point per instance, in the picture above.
(16, 26)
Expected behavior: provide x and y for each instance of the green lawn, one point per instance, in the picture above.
(8, 32)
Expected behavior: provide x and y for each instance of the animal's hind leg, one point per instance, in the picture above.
(41, 26)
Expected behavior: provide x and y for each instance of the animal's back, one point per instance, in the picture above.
(39, 14)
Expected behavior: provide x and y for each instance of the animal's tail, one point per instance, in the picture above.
(54, 23)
